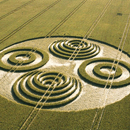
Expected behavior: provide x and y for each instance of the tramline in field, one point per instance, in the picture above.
(78, 70)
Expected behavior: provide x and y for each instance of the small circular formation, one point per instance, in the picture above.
(78, 49)
(23, 59)
(13, 59)
(99, 78)
(52, 88)
(97, 71)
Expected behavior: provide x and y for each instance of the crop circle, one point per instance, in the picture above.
(23, 59)
(58, 89)
(100, 78)
(27, 54)
(78, 49)
(97, 71)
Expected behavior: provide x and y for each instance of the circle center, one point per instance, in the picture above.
(22, 58)
(108, 71)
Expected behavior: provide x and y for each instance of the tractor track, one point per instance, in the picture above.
(17, 9)
(28, 21)
(65, 19)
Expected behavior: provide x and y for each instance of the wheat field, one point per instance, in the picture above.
(64, 64)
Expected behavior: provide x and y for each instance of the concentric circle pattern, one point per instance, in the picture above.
(91, 71)
(23, 59)
(97, 71)
(28, 68)
(58, 89)
(76, 48)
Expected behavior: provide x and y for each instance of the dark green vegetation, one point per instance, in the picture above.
(66, 50)
(25, 52)
(30, 87)
(101, 82)
(36, 20)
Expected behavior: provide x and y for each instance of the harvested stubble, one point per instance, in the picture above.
(30, 87)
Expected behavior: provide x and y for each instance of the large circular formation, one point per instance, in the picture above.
(30, 73)
(100, 78)
(77, 49)
(23, 59)
(55, 89)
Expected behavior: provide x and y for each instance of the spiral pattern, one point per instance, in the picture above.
(65, 49)
(97, 70)
(23, 59)
(58, 89)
